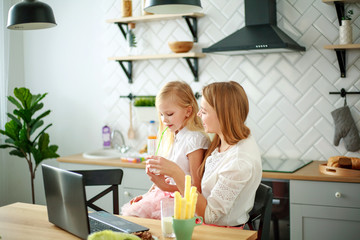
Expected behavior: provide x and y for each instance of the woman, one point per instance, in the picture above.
(231, 171)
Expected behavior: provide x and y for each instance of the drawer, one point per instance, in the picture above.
(135, 178)
(325, 193)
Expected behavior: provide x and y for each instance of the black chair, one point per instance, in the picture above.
(261, 212)
(101, 177)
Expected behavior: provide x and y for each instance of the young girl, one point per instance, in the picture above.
(231, 171)
(184, 142)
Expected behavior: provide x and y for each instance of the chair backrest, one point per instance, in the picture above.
(98, 177)
(262, 212)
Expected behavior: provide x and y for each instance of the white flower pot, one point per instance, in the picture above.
(146, 114)
(345, 32)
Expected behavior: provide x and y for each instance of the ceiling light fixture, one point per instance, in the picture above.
(29, 15)
(172, 6)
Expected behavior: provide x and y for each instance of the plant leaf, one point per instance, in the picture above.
(32, 122)
(36, 126)
(42, 131)
(44, 151)
(36, 108)
(18, 153)
(15, 102)
(25, 114)
(7, 146)
(11, 130)
(24, 95)
(37, 98)
(15, 119)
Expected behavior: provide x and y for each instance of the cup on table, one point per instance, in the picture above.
(167, 213)
(183, 228)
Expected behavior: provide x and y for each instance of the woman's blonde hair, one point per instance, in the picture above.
(181, 94)
(231, 105)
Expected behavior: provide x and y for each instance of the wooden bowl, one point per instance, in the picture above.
(181, 46)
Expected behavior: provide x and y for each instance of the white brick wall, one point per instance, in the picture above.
(289, 92)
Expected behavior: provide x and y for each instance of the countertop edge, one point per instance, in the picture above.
(309, 172)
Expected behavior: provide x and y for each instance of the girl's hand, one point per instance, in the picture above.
(162, 166)
(162, 182)
(136, 199)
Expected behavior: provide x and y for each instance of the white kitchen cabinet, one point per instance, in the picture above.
(134, 182)
(324, 210)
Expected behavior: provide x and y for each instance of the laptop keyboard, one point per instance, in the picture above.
(96, 226)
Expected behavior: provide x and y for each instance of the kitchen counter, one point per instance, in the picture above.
(113, 162)
(309, 172)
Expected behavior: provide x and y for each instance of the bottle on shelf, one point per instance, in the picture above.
(106, 136)
(152, 137)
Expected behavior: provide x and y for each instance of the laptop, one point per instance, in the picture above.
(66, 206)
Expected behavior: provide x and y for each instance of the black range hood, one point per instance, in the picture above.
(260, 34)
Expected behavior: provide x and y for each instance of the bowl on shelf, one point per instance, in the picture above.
(181, 46)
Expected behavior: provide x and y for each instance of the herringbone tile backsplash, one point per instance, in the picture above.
(290, 104)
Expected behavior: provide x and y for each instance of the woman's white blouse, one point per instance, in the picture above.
(229, 183)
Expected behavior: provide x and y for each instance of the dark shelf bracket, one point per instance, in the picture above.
(123, 28)
(340, 10)
(193, 67)
(192, 26)
(341, 57)
(128, 70)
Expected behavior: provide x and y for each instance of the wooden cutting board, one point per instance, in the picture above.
(323, 168)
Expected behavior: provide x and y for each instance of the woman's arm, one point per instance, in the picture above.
(195, 160)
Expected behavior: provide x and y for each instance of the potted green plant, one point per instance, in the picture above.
(145, 109)
(345, 30)
(22, 128)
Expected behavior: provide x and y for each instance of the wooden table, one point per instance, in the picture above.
(28, 221)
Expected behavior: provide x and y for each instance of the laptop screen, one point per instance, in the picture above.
(66, 205)
(66, 200)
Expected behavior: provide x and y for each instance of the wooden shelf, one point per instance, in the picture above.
(159, 56)
(190, 18)
(191, 59)
(341, 49)
(342, 46)
(155, 17)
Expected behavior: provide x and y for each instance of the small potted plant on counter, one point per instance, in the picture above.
(145, 109)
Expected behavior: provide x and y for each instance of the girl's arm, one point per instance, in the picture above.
(165, 167)
(171, 169)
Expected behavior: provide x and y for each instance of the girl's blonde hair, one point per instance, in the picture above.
(181, 94)
(231, 105)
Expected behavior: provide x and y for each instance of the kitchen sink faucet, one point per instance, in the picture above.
(115, 141)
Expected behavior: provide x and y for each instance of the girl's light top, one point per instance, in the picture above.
(230, 181)
(186, 142)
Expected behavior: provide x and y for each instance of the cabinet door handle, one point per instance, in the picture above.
(126, 193)
(338, 195)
